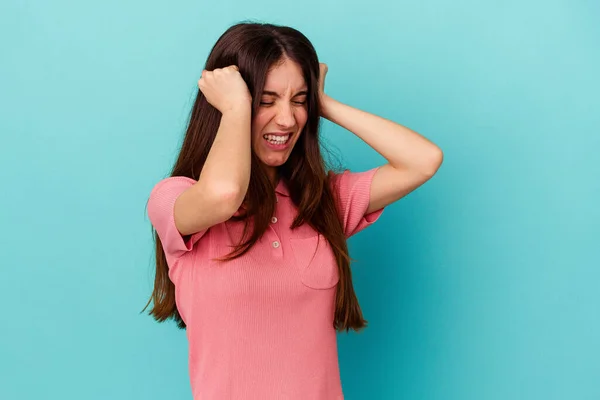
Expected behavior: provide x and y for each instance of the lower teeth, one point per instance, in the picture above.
(276, 142)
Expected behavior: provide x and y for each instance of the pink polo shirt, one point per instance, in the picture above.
(261, 326)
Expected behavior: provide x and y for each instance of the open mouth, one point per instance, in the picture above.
(277, 140)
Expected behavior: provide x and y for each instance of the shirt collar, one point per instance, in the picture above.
(282, 188)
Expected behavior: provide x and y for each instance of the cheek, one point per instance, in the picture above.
(301, 117)
(258, 125)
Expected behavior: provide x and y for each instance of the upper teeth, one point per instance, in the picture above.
(277, 138)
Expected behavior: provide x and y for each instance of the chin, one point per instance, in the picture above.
(274, 163)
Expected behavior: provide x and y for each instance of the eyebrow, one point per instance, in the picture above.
(269, 93)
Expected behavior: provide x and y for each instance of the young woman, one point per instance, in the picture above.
(251, 230)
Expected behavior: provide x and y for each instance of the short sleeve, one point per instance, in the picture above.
(352, 190)
(160, 211)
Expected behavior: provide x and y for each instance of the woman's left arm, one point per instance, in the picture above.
(412, 159)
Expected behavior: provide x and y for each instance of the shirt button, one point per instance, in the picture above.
(276, 244)
(274, 219)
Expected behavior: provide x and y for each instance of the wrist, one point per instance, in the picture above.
(326, 103)
(244, 107)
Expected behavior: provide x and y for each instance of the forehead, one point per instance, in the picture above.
(286, 76)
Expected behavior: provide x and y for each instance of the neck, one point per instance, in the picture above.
(273, 175)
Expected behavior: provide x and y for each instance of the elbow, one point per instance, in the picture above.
(225, 198)
(435, 162)
(229, 199)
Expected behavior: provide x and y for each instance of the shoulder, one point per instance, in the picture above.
(163, 196)
(172, 183)
(347, 179)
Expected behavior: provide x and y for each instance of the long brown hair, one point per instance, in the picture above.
(255, 48)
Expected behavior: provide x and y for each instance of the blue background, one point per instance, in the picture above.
(482, 284)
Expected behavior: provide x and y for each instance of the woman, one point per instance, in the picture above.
(251, 253)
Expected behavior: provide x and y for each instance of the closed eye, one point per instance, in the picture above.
(265, 103)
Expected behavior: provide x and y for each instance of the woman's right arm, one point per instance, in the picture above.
(224, 179)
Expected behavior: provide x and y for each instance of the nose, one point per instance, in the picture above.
(285, 116)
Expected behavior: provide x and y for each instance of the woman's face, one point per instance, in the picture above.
(281, 116)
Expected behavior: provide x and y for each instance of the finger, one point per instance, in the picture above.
(324, 69)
